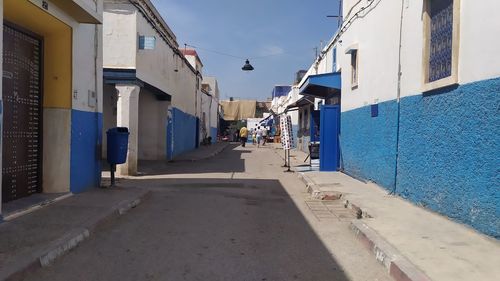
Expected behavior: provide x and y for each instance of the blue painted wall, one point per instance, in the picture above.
(295, 133)
(181, 133)
(449, 158)
(213, 134)
(368, 144)
(86, 137)
(450, 153)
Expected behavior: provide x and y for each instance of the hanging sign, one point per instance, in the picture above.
(287, 140)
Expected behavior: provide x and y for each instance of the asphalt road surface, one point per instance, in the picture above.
(237, 216)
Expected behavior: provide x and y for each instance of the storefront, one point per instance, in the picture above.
(324, 89)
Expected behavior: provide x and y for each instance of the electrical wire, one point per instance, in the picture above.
(231, 55)
(215, 52)
(345, 25)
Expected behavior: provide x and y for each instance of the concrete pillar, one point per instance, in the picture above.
(127, 115)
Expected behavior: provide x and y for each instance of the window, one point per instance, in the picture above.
(441, 30)
(334, 60)
(354, 68)
(147, 42)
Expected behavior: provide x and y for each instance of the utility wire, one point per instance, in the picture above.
(215, 52)
(230, 55)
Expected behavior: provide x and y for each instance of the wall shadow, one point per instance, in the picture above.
(229, 161)
(220, 229)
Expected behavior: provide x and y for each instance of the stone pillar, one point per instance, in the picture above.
(127, 115)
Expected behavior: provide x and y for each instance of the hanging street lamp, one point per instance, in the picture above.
(247, 66)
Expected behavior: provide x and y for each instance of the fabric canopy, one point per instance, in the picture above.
(238, 110)
(322, 85)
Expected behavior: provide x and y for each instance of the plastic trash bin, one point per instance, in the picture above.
(117, 145)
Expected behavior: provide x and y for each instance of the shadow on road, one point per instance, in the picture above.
(229, 161)
(204, 229)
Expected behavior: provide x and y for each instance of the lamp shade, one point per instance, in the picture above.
(247, 66)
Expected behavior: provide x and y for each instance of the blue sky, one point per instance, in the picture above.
(286, 31)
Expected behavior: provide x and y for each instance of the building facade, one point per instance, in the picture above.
(150, 86)
(212, 106)
(420, 99)
(51, 96)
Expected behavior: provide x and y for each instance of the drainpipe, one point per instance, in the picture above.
(98, 131)
(398, 100)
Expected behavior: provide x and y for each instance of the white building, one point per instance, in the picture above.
(211, 106)
(420, 93)
(150, 87)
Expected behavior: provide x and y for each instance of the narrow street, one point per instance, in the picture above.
(236, 216)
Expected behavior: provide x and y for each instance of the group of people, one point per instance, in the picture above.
(258, 135)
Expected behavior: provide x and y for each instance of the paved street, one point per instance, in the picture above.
(236, 216)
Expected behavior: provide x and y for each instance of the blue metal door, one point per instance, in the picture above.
(329, 152)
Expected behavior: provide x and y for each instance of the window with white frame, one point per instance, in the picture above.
(354, 68)
(441, 30)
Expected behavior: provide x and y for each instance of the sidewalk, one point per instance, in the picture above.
(36, 239)
(203, 152)
(411, 242)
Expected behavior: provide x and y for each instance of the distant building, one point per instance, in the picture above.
(212, 106)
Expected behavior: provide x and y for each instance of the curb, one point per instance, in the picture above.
(315, 190)
(73, 238)
(38, 206)
(398, 267)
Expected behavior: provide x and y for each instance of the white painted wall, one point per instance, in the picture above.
(479, 56)
(56, 150)
(153, 116)
(110, 97)
(206, 102)
(87, 67)
(158, 66)
(120, 36)
(377, 34)
(215, 93)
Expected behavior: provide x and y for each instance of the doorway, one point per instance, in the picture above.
(330, 130)
(22, 113)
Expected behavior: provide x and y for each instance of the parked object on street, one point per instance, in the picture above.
(117, 148)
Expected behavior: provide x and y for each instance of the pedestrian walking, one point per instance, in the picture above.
(258, 136)
(243, 135)
(264, 135)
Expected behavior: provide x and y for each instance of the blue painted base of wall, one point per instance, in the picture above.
(86, 139)
(295, 131)
(448, 151)
(368, 144)
(213, 134)
(181, 133)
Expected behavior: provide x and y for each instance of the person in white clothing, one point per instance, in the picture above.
(258, 136)
(264, 136)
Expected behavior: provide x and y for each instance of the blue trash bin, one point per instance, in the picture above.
(117, 145)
